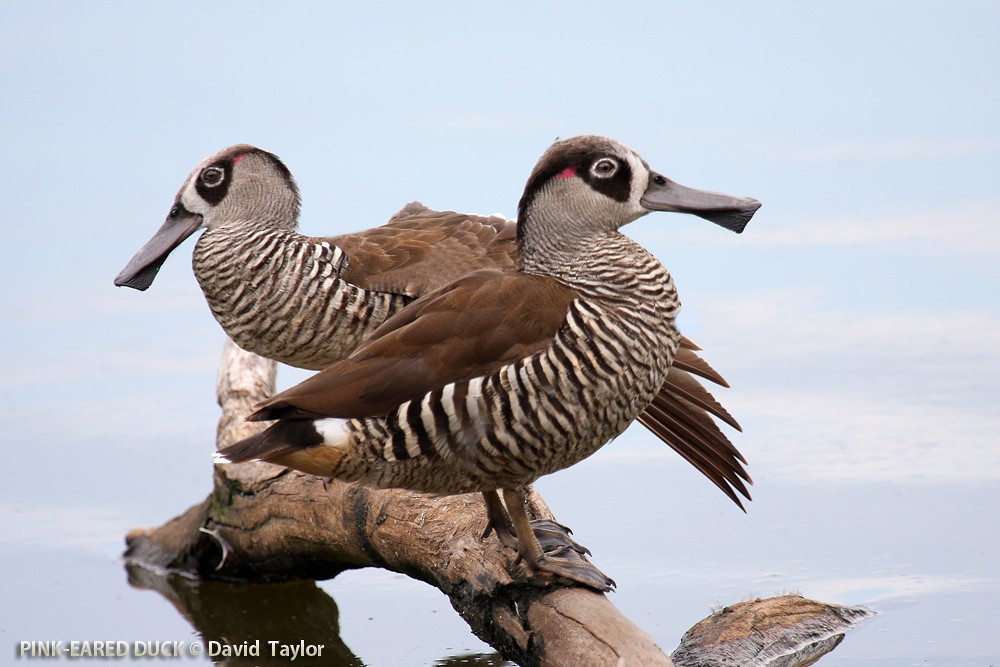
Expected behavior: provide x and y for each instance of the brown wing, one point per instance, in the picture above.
(419, 249)
(679, 415)
(474, 326)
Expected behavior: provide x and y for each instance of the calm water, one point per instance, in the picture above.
(873, 485)
(857, 318)
(922, 556)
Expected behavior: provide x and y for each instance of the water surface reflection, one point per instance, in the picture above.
(267, 619)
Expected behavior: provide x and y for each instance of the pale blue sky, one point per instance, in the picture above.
(857, 317)
(867, 129)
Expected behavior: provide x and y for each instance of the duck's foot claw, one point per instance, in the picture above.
(555, 539)
(575, 568)
(503, 531)
(498, 521)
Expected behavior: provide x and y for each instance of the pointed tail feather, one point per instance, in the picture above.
(687, 359)
(707, 456)
(682, 384)
(680, 416)
(294, 443)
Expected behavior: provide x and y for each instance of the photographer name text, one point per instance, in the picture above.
(76, 649)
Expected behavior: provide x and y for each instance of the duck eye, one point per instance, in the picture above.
(212, 176)
(604, 167)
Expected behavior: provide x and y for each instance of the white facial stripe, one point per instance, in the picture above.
(190, 198)
(193, 202)
(640, 178)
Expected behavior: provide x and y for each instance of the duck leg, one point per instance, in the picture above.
(566, 562)
(553, 537)
(498, 520)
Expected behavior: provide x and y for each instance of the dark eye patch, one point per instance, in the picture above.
(617, 186)
(213, 194)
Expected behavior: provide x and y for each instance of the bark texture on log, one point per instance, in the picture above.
(263, 523)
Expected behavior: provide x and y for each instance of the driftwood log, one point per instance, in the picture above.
(266, 524)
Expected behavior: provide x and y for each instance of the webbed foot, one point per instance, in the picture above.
(555, 538)
(547, 547)
(576, 569)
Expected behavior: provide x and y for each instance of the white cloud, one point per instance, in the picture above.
(972, 227)
(904, 149)
(798, 323)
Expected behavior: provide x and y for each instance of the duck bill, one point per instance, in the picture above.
(141, 269)
(727, 211)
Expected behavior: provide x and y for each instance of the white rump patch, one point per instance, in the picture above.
(333, 430)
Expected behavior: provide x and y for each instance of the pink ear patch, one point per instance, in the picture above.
(568, 172)
(239, 158)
